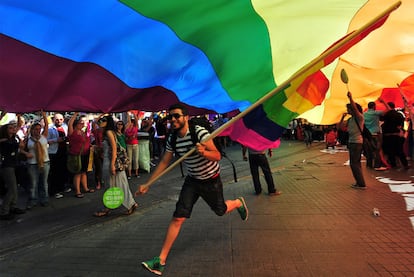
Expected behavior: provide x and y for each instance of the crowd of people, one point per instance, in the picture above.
(34, 150)
(390, 127)
(35, 157)
(34, 153)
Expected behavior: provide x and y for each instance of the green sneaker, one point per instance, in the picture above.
(154, 266)
(243, 211)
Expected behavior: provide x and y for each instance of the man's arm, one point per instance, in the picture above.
(2, 114)
(208, 150)
(128, 120)
(353, 105)
(45, 121)
(70, 123)
(387, 108)
(341, 122)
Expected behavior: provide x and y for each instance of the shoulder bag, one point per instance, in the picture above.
(74, 162)
(368, 143)
(121, 161)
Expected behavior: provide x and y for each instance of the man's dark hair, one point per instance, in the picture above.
(358, 106)
(371, 105)
(391, 105)
(3, 131)
(179, 106)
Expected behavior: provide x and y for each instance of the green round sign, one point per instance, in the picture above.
(113, 198)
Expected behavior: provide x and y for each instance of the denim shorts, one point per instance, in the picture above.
(211, 190)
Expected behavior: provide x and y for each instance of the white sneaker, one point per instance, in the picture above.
(68, 190)
(58, 195)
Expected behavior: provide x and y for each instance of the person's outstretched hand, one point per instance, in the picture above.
(142, 189)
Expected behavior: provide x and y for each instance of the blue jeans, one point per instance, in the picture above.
(38, 183)
(355, 151)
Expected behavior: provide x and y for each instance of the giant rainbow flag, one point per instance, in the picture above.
(382, 60)
(212, 55)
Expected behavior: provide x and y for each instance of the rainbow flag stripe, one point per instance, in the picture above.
(113, 56)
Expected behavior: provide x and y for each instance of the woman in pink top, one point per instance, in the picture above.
(79, 142)
(131, 134)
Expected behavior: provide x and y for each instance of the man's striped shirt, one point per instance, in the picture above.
(197, 166)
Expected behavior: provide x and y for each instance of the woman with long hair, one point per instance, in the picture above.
(131, 133)
(38, 163)
(120, 133)
(9, 147)
(79, 143)
(110, 175)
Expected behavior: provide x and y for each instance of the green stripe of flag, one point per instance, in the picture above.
(232, 35)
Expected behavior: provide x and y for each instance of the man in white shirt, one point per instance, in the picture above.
(59, 175)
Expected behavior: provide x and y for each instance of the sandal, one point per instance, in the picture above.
(90, 191)
(132, 209)
(79, 195)
(101, 213)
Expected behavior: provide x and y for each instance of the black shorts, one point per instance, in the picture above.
(211, 190)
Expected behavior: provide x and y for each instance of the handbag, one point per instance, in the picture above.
(121, 161)
(74, 162)
(368, 143)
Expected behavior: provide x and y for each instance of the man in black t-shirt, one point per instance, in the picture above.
(393, 139)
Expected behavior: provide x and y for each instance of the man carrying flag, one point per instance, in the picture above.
(203, 180)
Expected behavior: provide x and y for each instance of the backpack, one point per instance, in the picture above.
(205, 123)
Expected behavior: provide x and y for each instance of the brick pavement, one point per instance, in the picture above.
(319, 226)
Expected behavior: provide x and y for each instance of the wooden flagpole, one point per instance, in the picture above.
(343, 43)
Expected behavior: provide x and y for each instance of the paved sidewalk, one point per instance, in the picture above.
(319, 226)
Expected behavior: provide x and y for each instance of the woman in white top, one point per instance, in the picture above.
(38, 164)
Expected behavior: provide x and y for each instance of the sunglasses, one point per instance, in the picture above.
(174, 115)
(101, 120)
